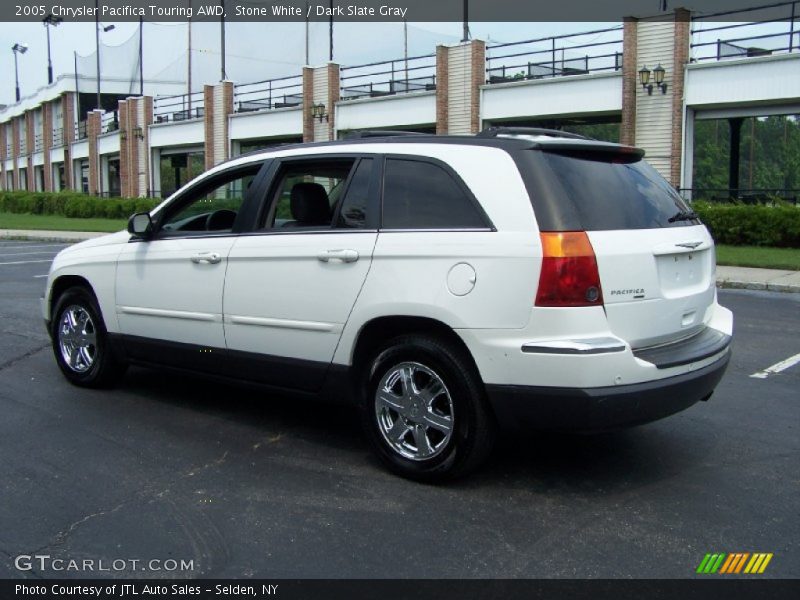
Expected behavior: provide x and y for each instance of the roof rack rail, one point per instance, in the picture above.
(491, 132)
(354, 135)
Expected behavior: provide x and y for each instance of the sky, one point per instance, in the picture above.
(165, 44)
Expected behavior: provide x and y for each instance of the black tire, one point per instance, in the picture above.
(105, 368)
(472, 424)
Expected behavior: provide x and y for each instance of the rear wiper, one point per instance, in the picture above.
(684, 215)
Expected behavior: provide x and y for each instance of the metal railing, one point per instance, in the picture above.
(555, 56)
(178, 108)
(23, 145)
(743, 195)
(38, 142)
(81, 132)
(283, 92)
(58, 136)
(389, 77)
(773, 29)
(109, 121)
(9, 150)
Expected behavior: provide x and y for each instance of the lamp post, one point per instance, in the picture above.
(18, 48)
(50, 21)
(97, 46)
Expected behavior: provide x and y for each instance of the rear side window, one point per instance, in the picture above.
(423, 195)
(599, 192)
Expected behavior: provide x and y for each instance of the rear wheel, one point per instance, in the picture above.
(80, 341)
(423, 409)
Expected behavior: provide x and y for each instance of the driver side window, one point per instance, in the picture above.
(211, 207)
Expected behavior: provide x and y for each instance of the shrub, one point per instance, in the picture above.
(776, 224)
(73, 204)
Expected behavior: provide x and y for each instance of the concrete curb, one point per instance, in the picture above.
(756, 285)
(66, 237)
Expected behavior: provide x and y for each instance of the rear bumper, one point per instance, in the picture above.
(603, 408)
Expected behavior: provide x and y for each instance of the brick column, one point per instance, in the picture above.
(680, 60)
(3, 142)
(630, 82)
(30, 136)
(47, 144)
(460, 72)
(320, 86)
(308, 100)
(442, 90)
(218, 107)
(135, 115)
(68, 118)
(15, 150)
(92, 131)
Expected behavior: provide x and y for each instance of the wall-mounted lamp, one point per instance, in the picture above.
(318, 112)
(123, 134)
(138, 133)
(658, 78)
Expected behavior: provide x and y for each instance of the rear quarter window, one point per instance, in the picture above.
(422, 195)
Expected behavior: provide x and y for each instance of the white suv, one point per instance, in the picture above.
(446, 284)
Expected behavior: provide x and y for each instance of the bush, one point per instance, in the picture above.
(73, 204)
(736, 224)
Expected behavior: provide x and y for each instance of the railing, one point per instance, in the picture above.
(560, 55)
(773, 29)
(38, 142)
(23, 145)
(109, 122)
(284, 92)
(58, 136)
(80, 130)
(9, 150)
(389, 77)
(744, 195)
(178, 108)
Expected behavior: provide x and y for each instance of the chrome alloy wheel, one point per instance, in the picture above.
(414, 411)
(77, 338)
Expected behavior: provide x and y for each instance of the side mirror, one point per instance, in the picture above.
(141, 225)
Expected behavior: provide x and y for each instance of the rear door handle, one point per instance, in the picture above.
(346, 255)
(211, 258)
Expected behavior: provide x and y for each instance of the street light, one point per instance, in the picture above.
(50, 21)
(18, 48)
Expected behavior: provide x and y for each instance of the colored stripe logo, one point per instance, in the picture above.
(734, 563)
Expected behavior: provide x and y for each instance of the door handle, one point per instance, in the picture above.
(211, 258)
(346, 256)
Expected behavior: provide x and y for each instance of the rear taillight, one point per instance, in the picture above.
(569, 271)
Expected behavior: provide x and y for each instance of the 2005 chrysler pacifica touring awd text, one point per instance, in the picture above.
(445, 284)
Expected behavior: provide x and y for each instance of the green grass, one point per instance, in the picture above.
(57, 223)
(759, 256)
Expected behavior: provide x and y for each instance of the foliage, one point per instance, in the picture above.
(72, 204)
(776, 224)
(769, 154)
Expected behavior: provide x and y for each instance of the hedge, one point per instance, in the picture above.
(73, 204)
(775, 224)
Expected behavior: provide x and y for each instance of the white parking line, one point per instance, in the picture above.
(51, 252)
(40, 276)
(777, 367)
(26, 262)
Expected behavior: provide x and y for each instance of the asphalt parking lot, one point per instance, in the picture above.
(244, 484)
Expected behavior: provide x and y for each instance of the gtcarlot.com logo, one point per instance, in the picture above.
(45, 562)
(735, 563)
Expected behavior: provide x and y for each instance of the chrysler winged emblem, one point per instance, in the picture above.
(691, 245)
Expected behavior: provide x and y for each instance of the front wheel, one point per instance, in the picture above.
(424, 411)
(80, 341)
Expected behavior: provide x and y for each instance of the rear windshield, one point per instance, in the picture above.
(600, 191)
